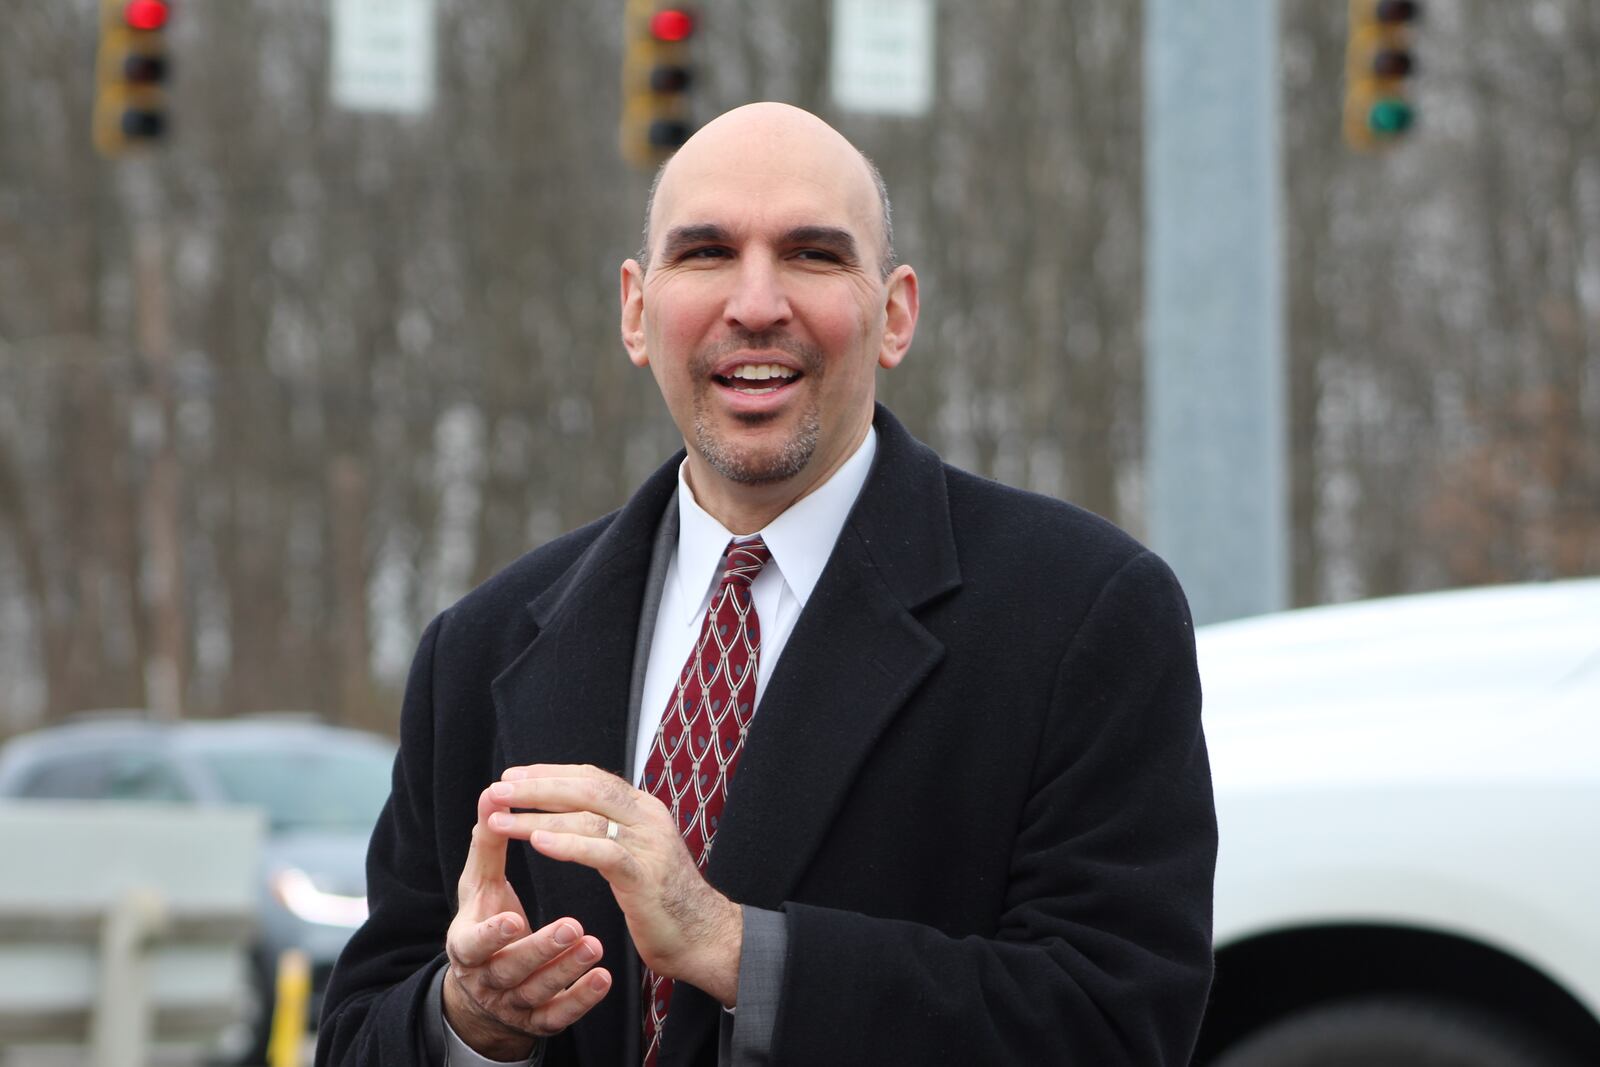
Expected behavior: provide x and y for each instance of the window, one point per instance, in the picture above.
(144, 776)
(331, 788)
(71, 777)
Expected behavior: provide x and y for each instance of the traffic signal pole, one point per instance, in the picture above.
(155, 414)
(1215, 430)
(130, 113)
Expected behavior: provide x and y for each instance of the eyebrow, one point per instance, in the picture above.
(833, 238)
(681, 237)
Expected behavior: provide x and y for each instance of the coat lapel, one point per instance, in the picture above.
(856, 655)
(565, 700)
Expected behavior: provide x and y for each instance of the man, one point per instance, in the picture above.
(929, 784)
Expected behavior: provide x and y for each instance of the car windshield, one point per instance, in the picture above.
(326, 789)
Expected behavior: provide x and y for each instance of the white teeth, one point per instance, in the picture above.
(760, 371)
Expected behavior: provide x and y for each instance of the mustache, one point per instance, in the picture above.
(808, 356)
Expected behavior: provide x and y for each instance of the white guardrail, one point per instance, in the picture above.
(123, 926)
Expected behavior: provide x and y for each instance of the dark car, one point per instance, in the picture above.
(321, 788)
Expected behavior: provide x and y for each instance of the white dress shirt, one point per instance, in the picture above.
(801, 540)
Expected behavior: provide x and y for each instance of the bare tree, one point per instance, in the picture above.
(396, 366)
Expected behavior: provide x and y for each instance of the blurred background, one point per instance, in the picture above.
(328, 334)
(278, 390)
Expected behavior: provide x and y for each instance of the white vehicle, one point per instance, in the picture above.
(1408, 793)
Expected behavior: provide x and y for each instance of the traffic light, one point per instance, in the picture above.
(656, 79)
(1378, 66)
(130, 101)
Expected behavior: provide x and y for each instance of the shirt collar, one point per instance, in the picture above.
(801, 539)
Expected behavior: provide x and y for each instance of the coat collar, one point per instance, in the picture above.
(855, 656)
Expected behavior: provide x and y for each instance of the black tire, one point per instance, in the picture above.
(1390, 1033)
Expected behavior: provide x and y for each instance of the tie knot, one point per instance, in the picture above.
(743, 561)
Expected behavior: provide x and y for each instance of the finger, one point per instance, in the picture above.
(485, 869)
(486, 855)
(490, 801)
(607, 796)
(521, 827)
(556, 770)
(472, 944)
(513, 963)
(539, 985)
(615, 863)
(572, 1004)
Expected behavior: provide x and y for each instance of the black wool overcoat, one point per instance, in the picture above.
(976, 787)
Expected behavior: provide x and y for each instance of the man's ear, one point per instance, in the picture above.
(632, 291)
(900, 317)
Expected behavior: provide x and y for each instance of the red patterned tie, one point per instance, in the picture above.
(702, 732)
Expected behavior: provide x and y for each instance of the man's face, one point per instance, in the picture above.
(763, 312)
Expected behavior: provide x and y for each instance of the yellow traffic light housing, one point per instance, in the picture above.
(131, 69)
(1378, 67)
(656, 78)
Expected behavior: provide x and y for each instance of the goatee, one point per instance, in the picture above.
(757, 466)
(751, 466)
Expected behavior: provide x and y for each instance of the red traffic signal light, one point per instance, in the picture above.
(657, 75)
(146, 15)
(672, 24)
(131, 71)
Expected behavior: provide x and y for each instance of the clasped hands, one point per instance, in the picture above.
(506, 986)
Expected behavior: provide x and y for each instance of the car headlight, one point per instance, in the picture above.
(295, 890)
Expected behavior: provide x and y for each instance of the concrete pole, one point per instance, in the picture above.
(1216, 441)
(120, 1030)
(166, 667)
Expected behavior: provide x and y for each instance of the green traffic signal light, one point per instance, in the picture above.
(1380, 66)
(1390, 116)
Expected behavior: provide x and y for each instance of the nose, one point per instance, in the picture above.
(759, 300)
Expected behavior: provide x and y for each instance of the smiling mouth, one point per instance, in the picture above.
(758, 379)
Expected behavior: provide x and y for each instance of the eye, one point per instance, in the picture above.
(706, 252)
(816, 255)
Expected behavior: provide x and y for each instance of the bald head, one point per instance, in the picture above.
(784, 138)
